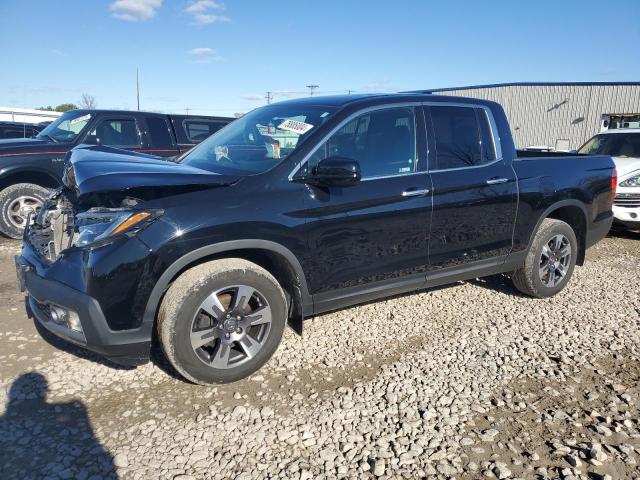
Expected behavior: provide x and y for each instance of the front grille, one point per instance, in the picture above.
(629, 200)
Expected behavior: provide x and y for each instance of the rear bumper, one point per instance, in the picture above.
(126, 347)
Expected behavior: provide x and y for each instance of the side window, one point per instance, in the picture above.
(159, 132)
(382, 141)
(457, 135)
(117, 133)
(198, 130)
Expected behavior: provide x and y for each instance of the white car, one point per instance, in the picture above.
(623, 144)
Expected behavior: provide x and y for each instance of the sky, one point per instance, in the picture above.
(220, 58)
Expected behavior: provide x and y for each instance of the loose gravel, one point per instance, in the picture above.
(468, 381)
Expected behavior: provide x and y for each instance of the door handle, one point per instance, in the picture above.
(496, 181)
(415, 193)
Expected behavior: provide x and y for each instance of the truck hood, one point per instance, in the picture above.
(103, 169)
(626, 165)
(31, 146)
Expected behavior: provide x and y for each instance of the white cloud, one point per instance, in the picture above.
(207, 18)
(201, 51)
(202, 12)
(135, 10)
(200, 6)
(204, 55)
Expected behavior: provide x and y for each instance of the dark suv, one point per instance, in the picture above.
(299, 208)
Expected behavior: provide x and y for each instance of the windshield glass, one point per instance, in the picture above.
(66, 127)
(258, 141)
(614, 144)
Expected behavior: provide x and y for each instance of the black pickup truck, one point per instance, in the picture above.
(295, 209)
(29, 167)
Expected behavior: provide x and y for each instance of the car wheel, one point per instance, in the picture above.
(222, 320)
(16, 203)
(550, 260)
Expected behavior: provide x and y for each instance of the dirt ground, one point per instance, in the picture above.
(577, 419)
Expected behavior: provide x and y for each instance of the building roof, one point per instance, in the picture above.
(532, 84)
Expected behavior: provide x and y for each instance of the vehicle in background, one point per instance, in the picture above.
(11, 130)
(30, 167)
(614, 121)
(295, 209)
(624, 146)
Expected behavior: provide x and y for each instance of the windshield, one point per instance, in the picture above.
(614, 144)
(258, 141)
(66, 127)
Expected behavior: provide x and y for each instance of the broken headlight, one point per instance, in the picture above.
(98, 227)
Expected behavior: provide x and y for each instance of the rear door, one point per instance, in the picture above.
(474, 190)
(159, 136)
(373, 234)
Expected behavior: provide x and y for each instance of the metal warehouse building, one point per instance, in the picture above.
(560, 115)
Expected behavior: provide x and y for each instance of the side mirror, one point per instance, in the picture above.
(335, 172)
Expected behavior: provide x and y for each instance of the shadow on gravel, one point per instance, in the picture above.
(39, 439)
(500, 283)
(617, 232)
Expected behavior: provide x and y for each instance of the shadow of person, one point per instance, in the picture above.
(39, 439)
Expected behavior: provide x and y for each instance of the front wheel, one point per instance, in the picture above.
(17, 202)
(222, 320)
(550, 260)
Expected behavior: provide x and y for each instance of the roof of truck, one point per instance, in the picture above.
(343, 100)
(621, 130)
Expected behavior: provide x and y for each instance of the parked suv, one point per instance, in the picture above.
(623, 144)
(295, 209)
(30, 167)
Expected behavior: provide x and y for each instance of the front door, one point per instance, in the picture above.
(373, 234)
(474, 191)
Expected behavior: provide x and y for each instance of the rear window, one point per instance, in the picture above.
(462, 136)
(198, 130)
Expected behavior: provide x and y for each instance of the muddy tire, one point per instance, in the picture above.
(221, 321)
(16, 202)
(550, 260)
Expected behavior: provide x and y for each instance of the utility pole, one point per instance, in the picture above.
(138, 89)
(311, 89)
(349, 92)
(269, 97)
(187, 110)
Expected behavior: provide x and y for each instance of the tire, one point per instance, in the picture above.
(530, 279)
(206, 303)
(16, 201)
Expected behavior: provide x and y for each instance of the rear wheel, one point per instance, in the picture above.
(222, 320)
(16, 203)
(550, 261)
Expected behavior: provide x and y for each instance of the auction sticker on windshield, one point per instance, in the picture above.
(295, 126)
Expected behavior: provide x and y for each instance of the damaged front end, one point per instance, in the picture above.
(64, 223)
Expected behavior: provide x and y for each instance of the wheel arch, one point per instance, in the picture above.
(36, 176)
(272, 256)
(573, 213)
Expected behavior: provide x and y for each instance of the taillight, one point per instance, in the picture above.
(614, 184)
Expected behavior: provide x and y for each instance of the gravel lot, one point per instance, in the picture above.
(468, 381)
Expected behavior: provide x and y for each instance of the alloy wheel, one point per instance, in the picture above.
(231, 326)
(555, 260)
(20, 208)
